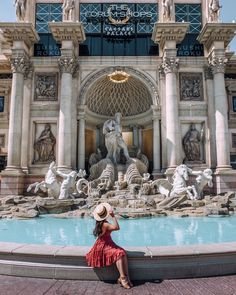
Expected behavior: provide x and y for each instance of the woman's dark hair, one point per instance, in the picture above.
(98, 228)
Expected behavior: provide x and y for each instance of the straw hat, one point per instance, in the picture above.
(101, 212)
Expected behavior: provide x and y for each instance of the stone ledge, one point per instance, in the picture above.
(145, 263)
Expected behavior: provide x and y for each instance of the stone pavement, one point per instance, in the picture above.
(201, 286)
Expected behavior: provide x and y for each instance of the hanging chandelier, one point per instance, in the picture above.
(118, 77)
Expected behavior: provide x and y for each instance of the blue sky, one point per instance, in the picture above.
(228, 13)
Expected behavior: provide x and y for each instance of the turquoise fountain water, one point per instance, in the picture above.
(161, 231)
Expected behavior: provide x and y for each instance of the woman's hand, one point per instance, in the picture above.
(112, 214)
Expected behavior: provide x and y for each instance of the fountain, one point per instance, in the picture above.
(122, 181)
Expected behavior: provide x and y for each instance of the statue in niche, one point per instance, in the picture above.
(20, 9)
(167, 9)
(114, 141)
(44, 146)
(214, 11)
(68, 8)
(45, 87)
(192, 144)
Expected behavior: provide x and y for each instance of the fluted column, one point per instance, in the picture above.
(156, 144)
(170, 66)
(221, 117)
(67, 65)
(19, 65)
(211, 115)
(81, 141)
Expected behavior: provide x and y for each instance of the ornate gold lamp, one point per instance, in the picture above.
(118, 77)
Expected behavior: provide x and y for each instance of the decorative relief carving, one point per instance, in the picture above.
(44, 146)
(68, 64)
(45, 87)
(20, 64)
(218, 64)
(170, 64)
(193, 144)
(191, 86)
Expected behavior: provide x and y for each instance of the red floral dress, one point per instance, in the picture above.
(104, 252)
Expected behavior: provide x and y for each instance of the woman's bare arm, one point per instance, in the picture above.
(109, 226)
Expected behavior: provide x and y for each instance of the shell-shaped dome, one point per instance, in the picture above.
(129, 98)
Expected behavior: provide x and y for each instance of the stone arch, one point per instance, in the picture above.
(139, 79)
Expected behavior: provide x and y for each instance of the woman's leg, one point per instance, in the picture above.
(120, 267)
(126, 269)
(123, 279)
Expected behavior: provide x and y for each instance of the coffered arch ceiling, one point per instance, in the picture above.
(129, 98)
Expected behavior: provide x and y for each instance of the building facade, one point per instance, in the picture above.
(67, 67)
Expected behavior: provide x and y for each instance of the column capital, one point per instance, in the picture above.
(20, 64)
(170, 64)
(218, 64)
(68, 64)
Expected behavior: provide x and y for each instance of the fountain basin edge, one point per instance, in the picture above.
(145, 263)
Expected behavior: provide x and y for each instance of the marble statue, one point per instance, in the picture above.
(44, 146)
(143, 158)
(214, 11)
(95, 157)
(179, 190)
(204, 178)
(167, 9)
(192, 144)
(68, 8)
(113, 139)
(20, 9)
(50, 185)
(68, 184)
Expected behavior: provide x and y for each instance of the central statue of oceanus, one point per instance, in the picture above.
(114, 141)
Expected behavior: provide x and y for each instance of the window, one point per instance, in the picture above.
(118, 29)
(234, 103)
(2, 98)
(190, 13)
(47, 12)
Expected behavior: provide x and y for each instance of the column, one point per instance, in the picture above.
(221, 115)
(67, 65)
(211, 115)
(26, 120)
(19, 65)
(81, 142)
(135, 136)
(170, 66)
(69, 34)
(156, 144)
